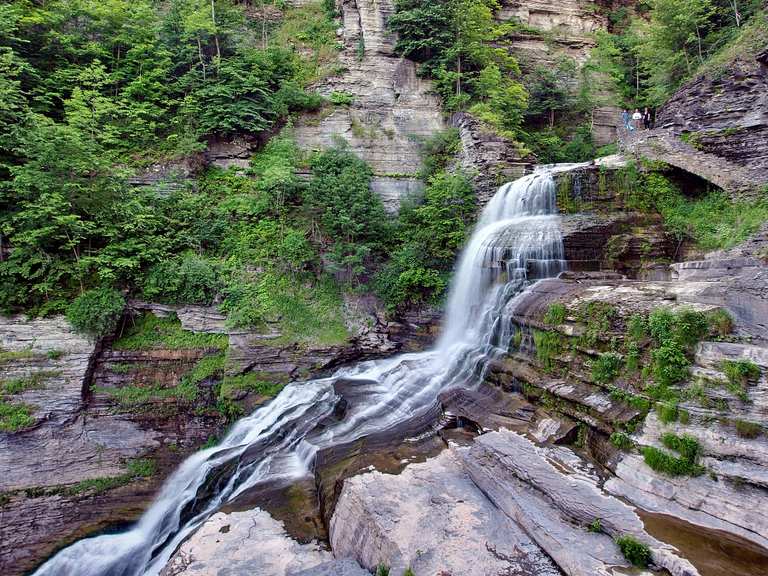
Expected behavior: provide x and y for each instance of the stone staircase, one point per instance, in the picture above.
(739, 182)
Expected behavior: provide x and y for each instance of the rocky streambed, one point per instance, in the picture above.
(523, 475)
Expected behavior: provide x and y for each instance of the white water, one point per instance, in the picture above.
(517, 239)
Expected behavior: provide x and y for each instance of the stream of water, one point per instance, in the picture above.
(517, 240)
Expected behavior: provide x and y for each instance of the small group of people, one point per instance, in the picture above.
(637, 119)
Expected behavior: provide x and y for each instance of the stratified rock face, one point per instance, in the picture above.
(74, 438)
(726, 114)
(252, 543)
(488, 159)
(392, 107)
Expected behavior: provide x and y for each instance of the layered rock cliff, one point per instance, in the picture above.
(391, 108)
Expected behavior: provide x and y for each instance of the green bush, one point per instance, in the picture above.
(555, 314)
(686, 445)
(685, 465)
(339, 196)
(597, 316)
(740, 372)
(96, 312)
(637, 327)
(622, 441)
(636, 553)
(720, 322)
(341, 98)
(548, 345)
(667, 412)
(428, 235)
(14, 416)
(437, 151)
(190, 279)
(606, 368)
(669, 364)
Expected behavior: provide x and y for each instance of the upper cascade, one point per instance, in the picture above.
(517, 240)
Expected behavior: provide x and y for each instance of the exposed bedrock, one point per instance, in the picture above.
(727, 496)
(496, 507)
(252, 543)
(726, 114)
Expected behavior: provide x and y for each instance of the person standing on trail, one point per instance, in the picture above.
(625, 119)
(636, 117)
(647, 119)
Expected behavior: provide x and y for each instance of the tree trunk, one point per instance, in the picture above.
(200, 53)
(215, 34)
(698, 40)
(736, 13)
(458, 75)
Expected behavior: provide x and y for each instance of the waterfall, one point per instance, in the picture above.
(517, 239)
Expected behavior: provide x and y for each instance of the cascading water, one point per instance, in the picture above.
(516, 240)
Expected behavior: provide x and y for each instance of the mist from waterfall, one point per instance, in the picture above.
(517, 240)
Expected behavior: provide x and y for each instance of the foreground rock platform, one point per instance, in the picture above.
(500, 506)
(252, 543)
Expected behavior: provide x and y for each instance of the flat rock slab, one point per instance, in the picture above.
(434, 519)
(252, 543)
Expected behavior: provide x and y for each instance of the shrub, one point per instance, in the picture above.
(595, 526)
(437, 151)
(669, 364)
(685, 465)
(720, 322)
(661, 325)
(606, 368)
(632, 357)
(555, 314)
(622, 441)
(15, 416)
(667, 412)
(548, 345)
(636, 553)
(190, 279)
(748, 429)
(341, 98)
(686, 445)
(637, 327)
(690, 326)
(382, 570)
(740, 372)
(96, 312)
(597, 317)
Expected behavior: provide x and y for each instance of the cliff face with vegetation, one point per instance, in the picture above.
(226, 220)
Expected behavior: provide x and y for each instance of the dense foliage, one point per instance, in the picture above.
(462, 48)
(93, 90)
(650, 52)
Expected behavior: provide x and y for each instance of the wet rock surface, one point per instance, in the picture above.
(252, 543)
